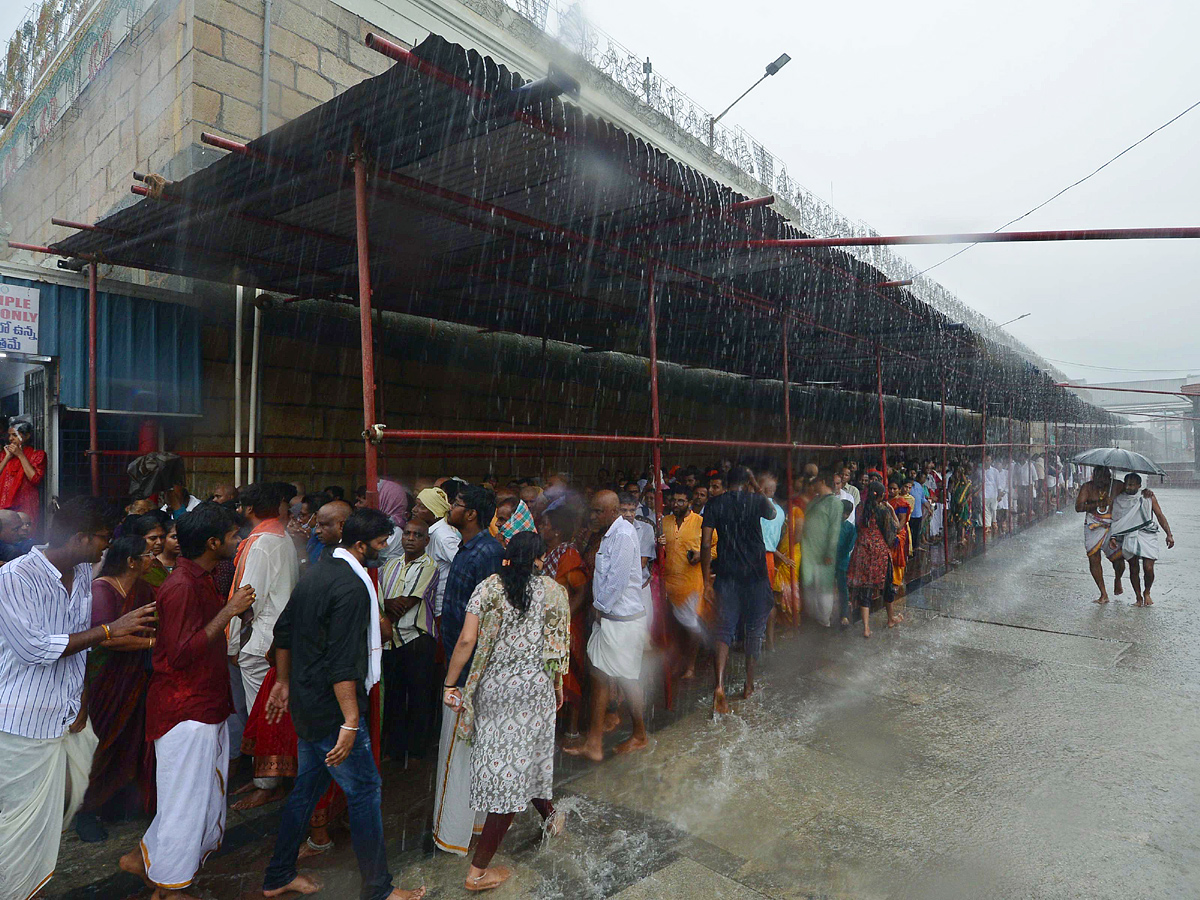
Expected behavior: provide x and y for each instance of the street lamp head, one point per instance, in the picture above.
(774, 67)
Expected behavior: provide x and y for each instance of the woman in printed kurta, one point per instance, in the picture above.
(518, 627)
(868, 570)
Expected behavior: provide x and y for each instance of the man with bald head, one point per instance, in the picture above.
(327, 530)
(619, 635)
(11, 529)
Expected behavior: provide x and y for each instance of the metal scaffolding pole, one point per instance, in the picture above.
(945, 486)
(882, 431)
(93, 423)
(787, 424)
(656, 447)
(370, 452)
(983, 470)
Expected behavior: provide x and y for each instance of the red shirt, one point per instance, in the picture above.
(19, 493)
(191, 674)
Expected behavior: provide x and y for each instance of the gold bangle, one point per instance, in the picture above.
(107, 633)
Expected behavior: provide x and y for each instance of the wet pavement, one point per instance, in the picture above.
(1011, 739)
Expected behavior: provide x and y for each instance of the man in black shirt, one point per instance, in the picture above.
(739, 585)
(323, 661)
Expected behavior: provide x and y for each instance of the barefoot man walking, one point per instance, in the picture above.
(740, 586)
(619, 634)
(1094, 500)
(1134, 536)
(328, 657)
(187, 704)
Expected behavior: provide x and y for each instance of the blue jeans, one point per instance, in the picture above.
(358, 778)
(746, 604)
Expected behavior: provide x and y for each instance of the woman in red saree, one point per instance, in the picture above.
(118, 674)
(21, 471)
(903, 505)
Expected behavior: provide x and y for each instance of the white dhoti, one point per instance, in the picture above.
(1095, 532)
(935, 520)
(687, 614)
(616, 647)
(192, 761)
(1134, 533)
(42, 783)
(453, 819)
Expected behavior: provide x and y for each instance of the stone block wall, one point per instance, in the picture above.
(132, 116)
(317, 52)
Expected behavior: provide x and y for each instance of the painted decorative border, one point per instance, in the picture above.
(87, 50)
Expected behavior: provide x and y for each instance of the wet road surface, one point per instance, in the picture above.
(1011, 739)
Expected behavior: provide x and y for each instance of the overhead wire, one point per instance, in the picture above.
(1075, 184)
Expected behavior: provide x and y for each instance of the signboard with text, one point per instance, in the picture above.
(20, 319)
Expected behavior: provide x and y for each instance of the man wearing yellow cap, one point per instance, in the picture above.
(431, 507)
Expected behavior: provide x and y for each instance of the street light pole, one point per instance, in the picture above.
(771, 69)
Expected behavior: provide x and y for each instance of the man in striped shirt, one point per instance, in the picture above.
(46, 629)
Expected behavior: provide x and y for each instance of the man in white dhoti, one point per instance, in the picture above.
(1134, 534)
(187, 704)
(1094, 500)
(45, 745)
(619, 635)
(478, 557)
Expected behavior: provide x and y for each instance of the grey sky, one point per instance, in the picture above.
(952, 116)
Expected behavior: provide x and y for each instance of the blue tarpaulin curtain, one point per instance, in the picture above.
(147, 351)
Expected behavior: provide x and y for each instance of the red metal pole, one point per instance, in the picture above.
(985, 237)
(882, 430)
(1045, 462)
(1084, 387)
(945, 486)
(983, 469)
(656, 460)
(93, 419)
(787, 424)
(752, 203)
(404, 57)
(1012, 504)
(655, 433)
(366, 335)
(366, 332)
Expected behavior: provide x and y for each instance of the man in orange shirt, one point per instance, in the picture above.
(683, 579)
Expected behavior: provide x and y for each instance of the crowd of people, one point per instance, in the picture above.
(310, 631)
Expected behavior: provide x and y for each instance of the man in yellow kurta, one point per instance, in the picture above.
(683, 579)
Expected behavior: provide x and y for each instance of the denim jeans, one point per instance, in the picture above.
(358, 778)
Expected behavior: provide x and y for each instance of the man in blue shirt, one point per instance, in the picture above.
(917, 518)
(478, 557)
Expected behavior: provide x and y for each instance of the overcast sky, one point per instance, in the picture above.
(953, 116)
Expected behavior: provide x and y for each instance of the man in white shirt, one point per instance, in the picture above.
(267, 561)
(619, 634)
(992, 492)
(1022, 473)
(45, 742)
(647, 546)
(431, 507)
(1006, 500)
(849, 491)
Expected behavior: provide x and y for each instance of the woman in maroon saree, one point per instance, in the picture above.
(118, 674)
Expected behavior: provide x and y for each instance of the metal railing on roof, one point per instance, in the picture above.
(568, 25)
